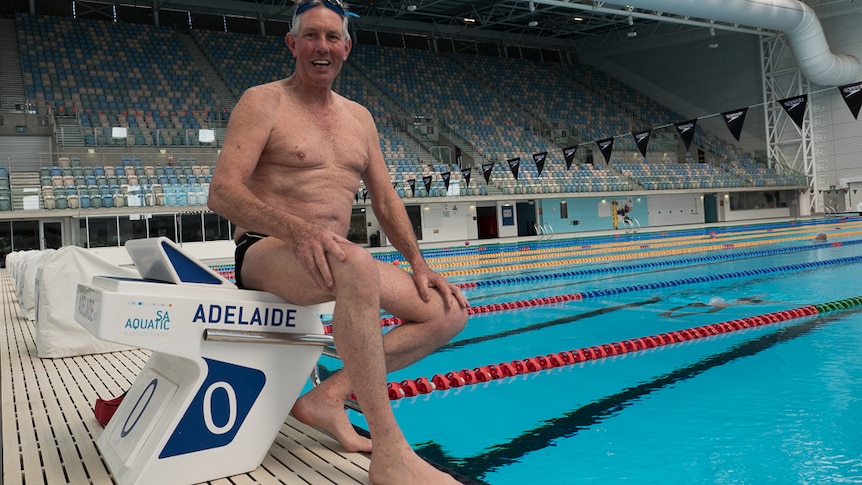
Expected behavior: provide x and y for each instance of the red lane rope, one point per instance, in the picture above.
(485, 373)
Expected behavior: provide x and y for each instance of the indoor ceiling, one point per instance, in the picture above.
(566, 24)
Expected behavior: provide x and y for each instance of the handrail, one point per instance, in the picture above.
(217, 335)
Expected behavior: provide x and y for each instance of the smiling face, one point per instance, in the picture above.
(319, 45)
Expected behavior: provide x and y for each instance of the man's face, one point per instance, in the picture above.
(320, 48)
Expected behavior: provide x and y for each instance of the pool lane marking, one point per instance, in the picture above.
(441, 382)
(594, 412)
(512, 305)
(629, 245)
(656, 264)
(603, 246)
(648, 254)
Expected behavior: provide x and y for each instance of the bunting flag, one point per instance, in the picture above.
(606, 146)
(795, 108)
(686, 131)
(514, 165)
(486, 171)
(412, 183)
(365, 196)
(465, 173)
(569, 155)
(852, 94)
(427, 181)
(642, 140)
(540, 158)
(446, 176)
(734, 121)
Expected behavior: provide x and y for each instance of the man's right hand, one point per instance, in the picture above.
(312, 247)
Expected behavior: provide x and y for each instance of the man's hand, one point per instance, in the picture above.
(312, 247)
(425, 278)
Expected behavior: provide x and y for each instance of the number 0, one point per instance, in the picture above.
(208, 407)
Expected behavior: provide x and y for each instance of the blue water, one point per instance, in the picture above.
(781, 403)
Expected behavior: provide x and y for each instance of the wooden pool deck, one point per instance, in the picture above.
(49, 429)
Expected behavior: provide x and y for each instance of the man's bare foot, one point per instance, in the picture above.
(405, 467)
(327, 414)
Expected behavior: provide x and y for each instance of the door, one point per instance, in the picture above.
(710, 208)
(486, 222)
(51, 233)
(526, 214)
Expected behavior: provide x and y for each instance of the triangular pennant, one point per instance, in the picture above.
(569, 155)
(487, 168)
(686, 131)
(365, 196)
(427, 180)
(465, 173)
(514, 166)
(734, 121)
(795, 108)
(606, 146)
(412, 183)
(540, 158)
(446, 176)
(852, 94)
(642, 140)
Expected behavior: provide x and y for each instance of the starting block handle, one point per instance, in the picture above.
(218, 335)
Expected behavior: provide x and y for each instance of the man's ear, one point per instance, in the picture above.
(290, 42)
(347, 47)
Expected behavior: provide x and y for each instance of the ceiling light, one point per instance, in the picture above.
(532, 6)
(713, 45)
(469, 20)
(632, 33)
(411, 8)
(533, 23)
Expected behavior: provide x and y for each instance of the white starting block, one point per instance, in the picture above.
(226, 367)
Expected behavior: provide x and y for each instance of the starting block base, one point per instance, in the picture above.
(200, 409)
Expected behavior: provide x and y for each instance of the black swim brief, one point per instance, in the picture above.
(245, 242)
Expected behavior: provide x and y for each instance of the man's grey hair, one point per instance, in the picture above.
(296, 24)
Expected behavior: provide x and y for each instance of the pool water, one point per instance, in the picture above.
(777, 403)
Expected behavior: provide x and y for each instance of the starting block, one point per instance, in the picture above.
(226, 367)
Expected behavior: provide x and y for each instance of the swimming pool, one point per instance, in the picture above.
(775, 403)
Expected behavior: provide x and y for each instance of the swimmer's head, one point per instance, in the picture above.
(336, 6)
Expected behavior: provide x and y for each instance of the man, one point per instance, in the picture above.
(291, 163)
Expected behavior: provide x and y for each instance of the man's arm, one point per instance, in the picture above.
(393, 218)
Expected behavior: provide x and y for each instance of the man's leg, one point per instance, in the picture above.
(359, 342)
(426, 327)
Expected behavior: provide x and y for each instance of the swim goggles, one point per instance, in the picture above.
(334, 5)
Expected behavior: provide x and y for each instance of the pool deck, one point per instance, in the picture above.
(49, 429)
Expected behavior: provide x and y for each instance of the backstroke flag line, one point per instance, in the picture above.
(540, 158)
(642, 140)
(852, 94)
(569, 155)
(734, 121)
(514, 165)
(795, 108)
(606, 146)
(686, 131)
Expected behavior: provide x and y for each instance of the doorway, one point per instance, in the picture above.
(526, 214)
(486, 222)
(710, 208)
(51, 234)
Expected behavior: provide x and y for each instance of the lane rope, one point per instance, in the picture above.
(486, 373)
(495, 307)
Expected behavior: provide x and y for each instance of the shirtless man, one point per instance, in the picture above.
(291, 163)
